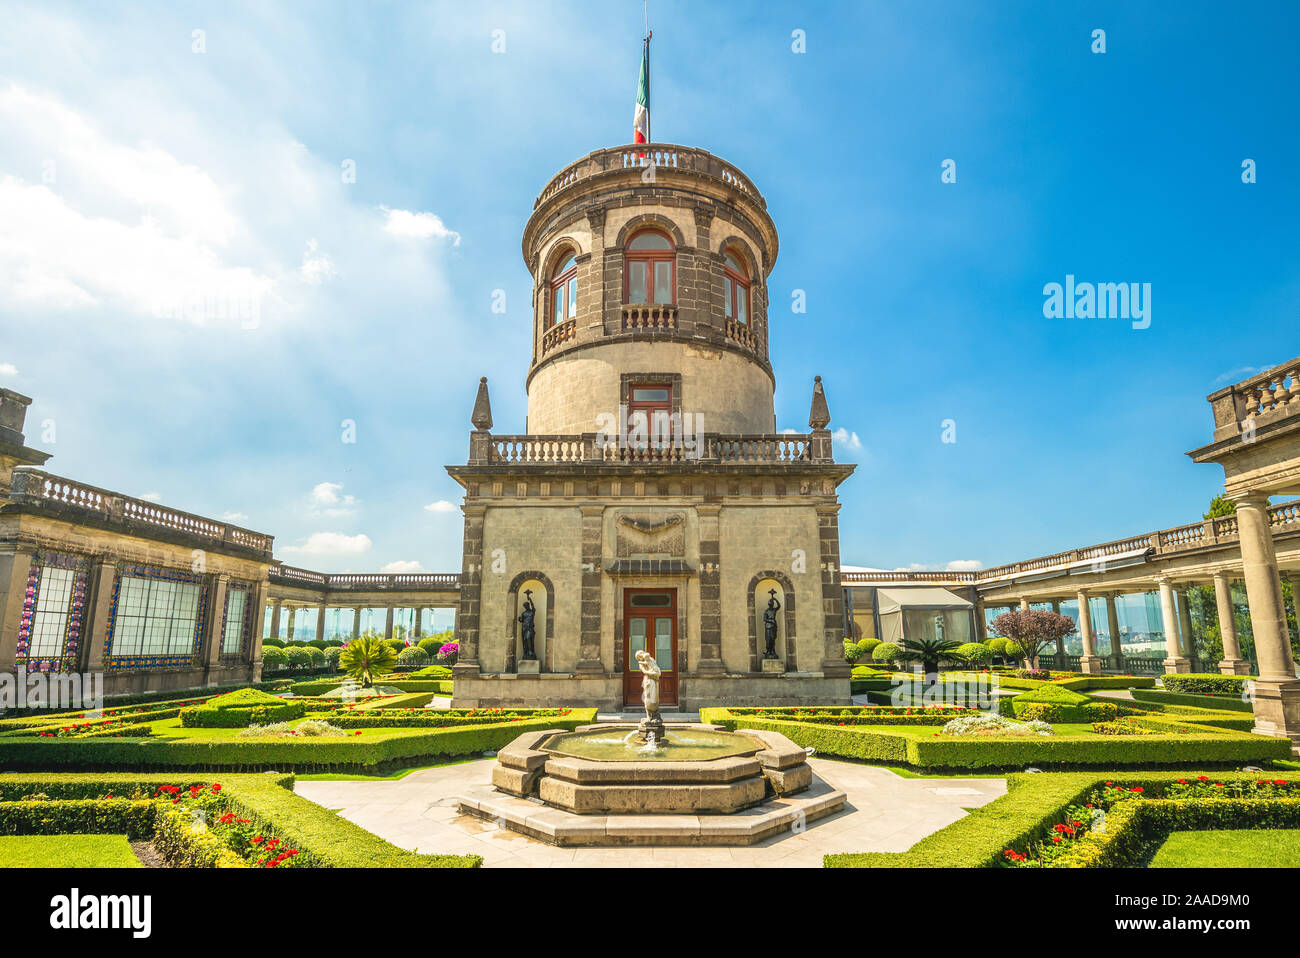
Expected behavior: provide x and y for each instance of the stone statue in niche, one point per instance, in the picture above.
(527, 628)
(769, 625)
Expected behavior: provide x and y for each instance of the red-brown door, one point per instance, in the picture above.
(650, 623)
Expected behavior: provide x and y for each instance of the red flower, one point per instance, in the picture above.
(1137, 788)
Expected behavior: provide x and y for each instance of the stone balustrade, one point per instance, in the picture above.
(741, 334)
(365, 581)
(662, 157)
(35, 487)
(558, 334)
(707, 447)
(1261, 400)
(649, 317)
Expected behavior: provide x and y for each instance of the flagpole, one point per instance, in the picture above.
(648, 119)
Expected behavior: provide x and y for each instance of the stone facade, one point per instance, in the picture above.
(597, 519)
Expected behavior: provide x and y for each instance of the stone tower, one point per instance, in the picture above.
(651, 504)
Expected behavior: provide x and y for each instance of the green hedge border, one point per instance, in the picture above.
(1225, 703)
(1032, 805)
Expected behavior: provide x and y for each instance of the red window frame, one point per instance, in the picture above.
(560, 292)
(650, 257)
(737, 288)
(650, 406)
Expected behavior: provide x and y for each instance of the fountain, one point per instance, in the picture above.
(652, 783)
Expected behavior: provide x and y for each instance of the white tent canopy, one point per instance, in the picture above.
(923, 613)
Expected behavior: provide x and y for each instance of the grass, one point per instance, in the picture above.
(67, 851)
(1230, 848)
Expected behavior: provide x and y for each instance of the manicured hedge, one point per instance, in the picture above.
(210, 716)
(320, 687)
(326, 839)
(1231, 701)
(1201, 683)
(1032, 805)
(326, 753)
(1208, 746)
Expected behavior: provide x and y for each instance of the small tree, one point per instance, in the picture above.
(928, 652)
(1029, 631)
(367, 658)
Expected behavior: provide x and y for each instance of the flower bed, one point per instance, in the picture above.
(1026, 818)
(242, 820)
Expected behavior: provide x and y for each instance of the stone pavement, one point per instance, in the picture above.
(885, 812)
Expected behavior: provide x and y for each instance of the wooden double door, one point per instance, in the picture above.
(650, 624)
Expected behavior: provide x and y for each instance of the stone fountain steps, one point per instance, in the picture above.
(787, 815)
(636, 715)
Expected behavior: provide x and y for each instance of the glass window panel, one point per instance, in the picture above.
(650, 241)
(636, 640)
(636, 282)
(742, 303)
(726, 296)
(558, 295)
(650, 600)
(50, 623)
(234, 636)
(649, 394)
(664, 644)
(663, 282)
(567, 265)
(735, 264)
(573, 297)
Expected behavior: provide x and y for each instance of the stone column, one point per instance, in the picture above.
(1175, 661)
(212, 628)
(593, 523)
(293, 612)
(1088, 662)
(1060, 643)
(388, 624)
(15, 567)
(1232, 663)
(275, 618)
(1024, 605)
(99, 607)
(710, 590)
(981, 627)
(834, 665)
(1277, 691)
(356, 624)
(417, 614)
(1185, 621)
(1112, 623)
(320, 622)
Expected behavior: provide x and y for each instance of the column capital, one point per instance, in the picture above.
(1250, 499)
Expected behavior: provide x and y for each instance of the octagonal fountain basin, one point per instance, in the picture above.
(603, 785)
(687, 743)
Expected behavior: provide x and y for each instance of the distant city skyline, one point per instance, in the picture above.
(250, 256)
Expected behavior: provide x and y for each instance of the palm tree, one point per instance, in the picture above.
(366, 658)
(928, 652)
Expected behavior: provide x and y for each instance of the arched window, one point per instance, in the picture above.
(735, 289)
(564, 290)
(650, 269)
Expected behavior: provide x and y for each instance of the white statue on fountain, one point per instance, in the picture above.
(652, 726)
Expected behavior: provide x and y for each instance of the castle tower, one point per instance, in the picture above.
(651, 504)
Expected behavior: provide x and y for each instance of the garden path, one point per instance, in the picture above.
(884, 812)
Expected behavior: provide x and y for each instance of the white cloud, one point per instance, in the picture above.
(315, 268)
(151, 496)
(8, 369)
(964, 565)
(327, 501)
(846, 438)
(234, 517)
(442, 505)
(124, 224)
(331, 544)
(410, 225)
(403, 565)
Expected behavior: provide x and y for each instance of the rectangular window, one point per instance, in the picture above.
(232, 640)
(573, 297)
(663, 282)
(559, 305)
(742, 302)
(50, 622)
(636, 283)
(726, 296)
(155, 617)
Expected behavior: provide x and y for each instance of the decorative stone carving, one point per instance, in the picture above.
(641, 534)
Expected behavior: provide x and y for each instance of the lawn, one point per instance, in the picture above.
(67, 851)
(1230, 848)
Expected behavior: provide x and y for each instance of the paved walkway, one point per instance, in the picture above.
(885, 812)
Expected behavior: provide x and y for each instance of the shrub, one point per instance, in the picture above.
(986, 724)
(367, 658)
(997, 644)
(206, 716)
(271, 640)
(973, 652)
(299, 657)
(1230, 685)
(851, 652)
(413, 656)
(273, 657)
(332, 655)
(395, 644)
(868, 645)
(317, 656)
(886, 652)
(432, 672)
(1119, 728)
(449, 653)
(309, 728)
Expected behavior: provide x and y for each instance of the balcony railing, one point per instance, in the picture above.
(740, 333)
(1260, 400)
(663, 157)
(705, 447)
(559, 334)
(649, 316)
(36, 487)
(365, 581)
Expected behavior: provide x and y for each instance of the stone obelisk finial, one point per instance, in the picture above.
(482, 416)
(819, 416)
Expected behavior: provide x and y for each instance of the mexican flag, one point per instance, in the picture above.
(641, 118)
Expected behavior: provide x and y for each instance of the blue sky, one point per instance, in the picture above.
(139, 177)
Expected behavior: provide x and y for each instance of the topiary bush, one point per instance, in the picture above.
(885, 652)
(413, 657)
(272, 640)
(299, 657)
(852, 652)
(273, 657)
(1207, 684)
(973, 652)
